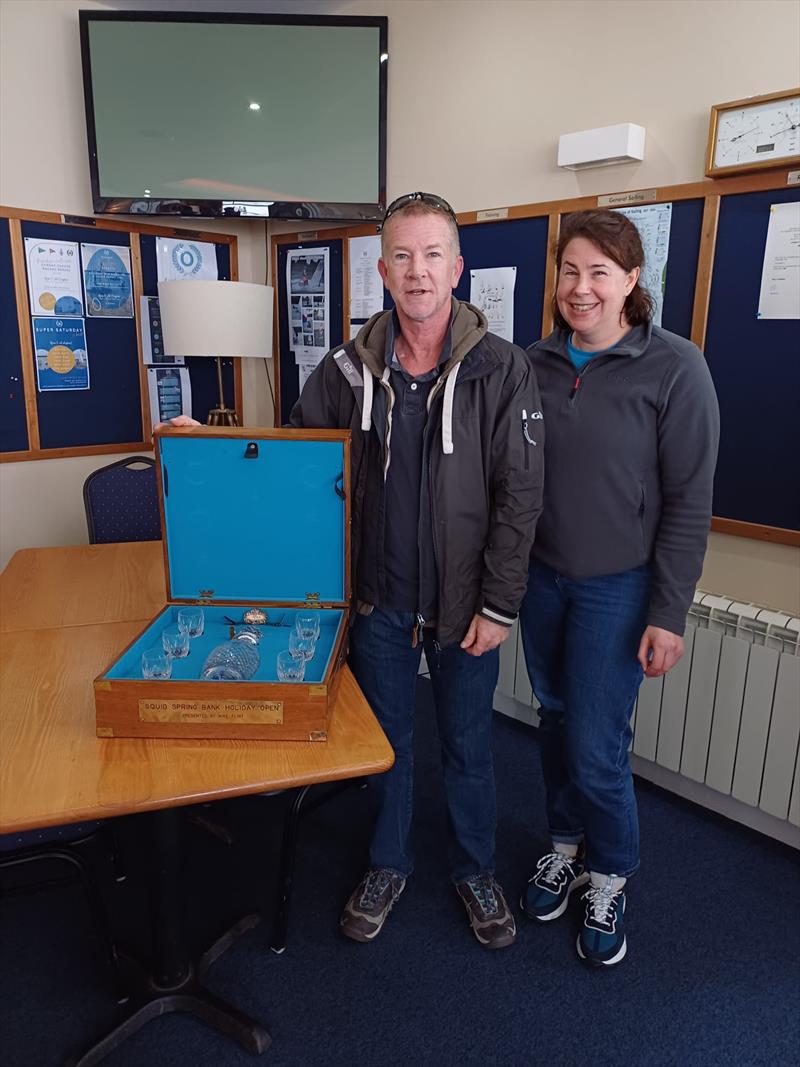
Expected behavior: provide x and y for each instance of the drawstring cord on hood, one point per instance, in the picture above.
(447, 406)
(366, 410)
(447, 411)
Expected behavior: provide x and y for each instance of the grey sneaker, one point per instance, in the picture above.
(370, 902)
(489, 915)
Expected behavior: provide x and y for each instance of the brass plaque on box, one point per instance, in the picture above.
(243, 712)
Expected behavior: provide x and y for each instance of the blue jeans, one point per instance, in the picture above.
(580, 640)
(386, 668)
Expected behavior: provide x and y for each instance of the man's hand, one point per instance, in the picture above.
(179, 420)
(659, 651)
(483, 635)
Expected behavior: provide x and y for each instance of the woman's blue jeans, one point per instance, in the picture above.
(386, 668)
(580, 640)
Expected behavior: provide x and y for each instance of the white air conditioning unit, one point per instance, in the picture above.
(603, 147)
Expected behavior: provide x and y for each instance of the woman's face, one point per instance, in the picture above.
(591, 292)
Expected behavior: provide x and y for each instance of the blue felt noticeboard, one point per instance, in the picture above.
(756, 369)
(520, 243)
(13, 423)
(754, 363)
(109, 412)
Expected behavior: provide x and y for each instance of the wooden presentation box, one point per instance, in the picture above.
(251, 518)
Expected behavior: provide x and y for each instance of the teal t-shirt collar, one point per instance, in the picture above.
(579, 357)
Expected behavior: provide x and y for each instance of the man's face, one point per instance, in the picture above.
(419, 265)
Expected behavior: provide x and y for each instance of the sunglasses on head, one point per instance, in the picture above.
(425, 198)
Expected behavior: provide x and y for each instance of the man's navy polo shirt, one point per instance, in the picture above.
(407, 517)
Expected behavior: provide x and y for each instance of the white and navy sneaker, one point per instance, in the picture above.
(547, 893)
(601, 941)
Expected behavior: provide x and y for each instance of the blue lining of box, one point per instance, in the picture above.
(265, 529)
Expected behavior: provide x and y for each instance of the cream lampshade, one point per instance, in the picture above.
(221, 320)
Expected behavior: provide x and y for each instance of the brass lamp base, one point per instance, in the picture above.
(221, 415)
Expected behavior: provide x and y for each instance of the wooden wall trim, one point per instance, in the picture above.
(553, 229)
(27, 354)
(276, 352)
(138, 288)
(99, 223)
(238, 400)
(705, 269)
(776, 534)
(746, 183)
(345, 289)
(83, 450)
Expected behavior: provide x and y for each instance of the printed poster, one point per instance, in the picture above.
(180, 260)
(653, 221)
(54, 277)
(62, 362)
(107, 281)
(170, 393)
(152, 337)
(308, 295)
(366, 286)
(304, 372)
(491, 290)
(780, 275)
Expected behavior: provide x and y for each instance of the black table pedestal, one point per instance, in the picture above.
(175, 983)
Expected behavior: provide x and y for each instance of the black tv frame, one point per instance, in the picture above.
(191, 208)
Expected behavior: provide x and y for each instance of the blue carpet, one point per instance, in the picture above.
(711, 978)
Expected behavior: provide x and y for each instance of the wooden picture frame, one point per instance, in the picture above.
(750, 117)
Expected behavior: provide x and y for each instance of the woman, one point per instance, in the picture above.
(632, 430)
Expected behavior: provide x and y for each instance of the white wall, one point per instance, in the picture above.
(478, 95)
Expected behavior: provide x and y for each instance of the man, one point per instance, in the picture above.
(446, 466)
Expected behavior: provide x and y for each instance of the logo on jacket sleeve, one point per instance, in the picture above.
(525, 417)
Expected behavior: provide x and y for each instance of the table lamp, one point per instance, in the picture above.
(217, 319)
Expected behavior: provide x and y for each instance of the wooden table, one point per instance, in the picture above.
(66, 614)
(82, 584)
(54, 770)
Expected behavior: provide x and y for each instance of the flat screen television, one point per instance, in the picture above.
(201, 114)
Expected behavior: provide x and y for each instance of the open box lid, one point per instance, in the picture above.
(255, 516)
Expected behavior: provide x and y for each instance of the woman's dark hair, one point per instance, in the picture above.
(617, 237)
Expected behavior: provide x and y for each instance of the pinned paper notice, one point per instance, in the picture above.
(491, 290)
(780, 275)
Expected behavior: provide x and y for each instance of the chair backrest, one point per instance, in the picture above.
(121, 502)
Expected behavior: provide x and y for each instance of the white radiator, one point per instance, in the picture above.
(723, 727)
(728, 715)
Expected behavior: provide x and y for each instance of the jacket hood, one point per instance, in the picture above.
(633, 344)
(467, 326)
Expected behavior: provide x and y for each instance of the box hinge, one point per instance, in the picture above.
(312, 600)
(206, 596)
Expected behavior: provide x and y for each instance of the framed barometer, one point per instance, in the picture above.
(754, 134)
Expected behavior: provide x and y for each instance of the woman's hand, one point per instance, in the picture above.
(659, 651)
